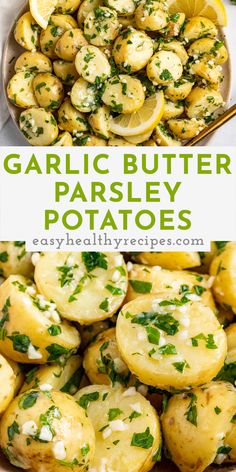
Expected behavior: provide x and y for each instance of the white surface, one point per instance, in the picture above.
(226, 136)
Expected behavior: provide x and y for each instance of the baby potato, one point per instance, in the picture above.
(66, 72)
(57, 27)
(38, 126)
(118, 142)
(145, 279)
(207, 257)
(86, 287)
(66, 378)
(90, 332)
(124, 94)
(103, 363)
(209, 48)
(70, 119)
(176, 22)
(47, 428)
(206, 69)
(201, 418)
(176, 47)
(92, 64)
(122, 7)
(14, 259)
(67, 6)
(48, 91)
(8, 382)
(27, 32)
(223, 269)
(20, 90)
(69, 44)
(64, 139)
(123, 418)
(101, 26)
(99, 122)
(88, 140)
(18, 372)
(179, 90)
(169, 341)
(83, 96)
(132, 50)
(32, 331)
(149, 16)
(33, 62)
(164, 68)
(169, 260)
(150, 142)
(172, 110)
(186, 129)
(203, 102)
(198, 27)
(163, 137)
(85, 8)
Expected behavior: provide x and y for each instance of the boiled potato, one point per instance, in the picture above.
(14, 259)
(149, 16)
(69, 44)
(8, 382)
(223, 269)
(169, 260)
(48, 91)
(175, 25)
(207, 257)
(206, 69)
(203, 102)
(172, 110)
(122, 7)
(90, 332)
(33, 62)
(123, 94)
(64, 139)
(31, 327)
(65, 71)
(99, 122)
(150, 142)
(66, 378)
(38, 126)
(101, 26)
(196, 425)
(88, 140)
(209, 48)
(176, 47)
(70, 119)
(164, 68)
(132, 50)
(103, 363)
(19, 375)
(27, 32)
(170, 341)
(163, 137)
(118, 142)
(20, 90)
(49, 430)
(126, 426)
(186, 129)
(92, 64)
(86, 287)
(49, 37)
(198, 27)
(67, 6)
(83, 96)
(85, 8)
(179, 90)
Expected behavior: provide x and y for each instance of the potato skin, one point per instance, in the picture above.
(33, 62)
(223, 269)
(27, 32)
(198, 27)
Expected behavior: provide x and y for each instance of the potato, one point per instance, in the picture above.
(223, 269)
(198, 27)
(8, 383)
(195, 425)
(169, 260)
(207, 70)
(203, 102)
(65, 71)
(86, 287)
(169, 341)
(164, 68)
(139, 138)
(19, 375)
(210, 49)
(186, 129)
(123, 94)
(27, 32)
(126, 21)
(176, 47)
(172, 110)
(84, 96)
(101, 26)
(31, 328)
(48, 91)
(57, 27)
(38, 126)
(132, 50)
(99, 121)
(126, 426)
(69, 44)
(20, 90)
(163, 137)
(103, 363)
(124, 8)
(145, 279)
(33, 62)
(90, 332)
(149, 16)
(14, 259)
(92, 64)
(206, 258)
(64, 139)
(47, 429)
(88, 140)
(70, 119)
(116, 141)
(85, 8)
(67, 6)
(175, 25)
(66, 378)
(179, 90)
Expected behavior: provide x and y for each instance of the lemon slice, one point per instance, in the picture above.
(212, 9)
(143, 120)
(41, 11)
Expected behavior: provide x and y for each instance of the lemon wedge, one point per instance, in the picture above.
(41, 11)
(143, 120)
(212, 9)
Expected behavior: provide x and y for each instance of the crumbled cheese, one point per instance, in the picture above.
(33, 353)
(29, 428)
(129, 392)
(118, 425)
(136, 407)
(45, 434)
(35, 258)
(45, 387)
(59, 450)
